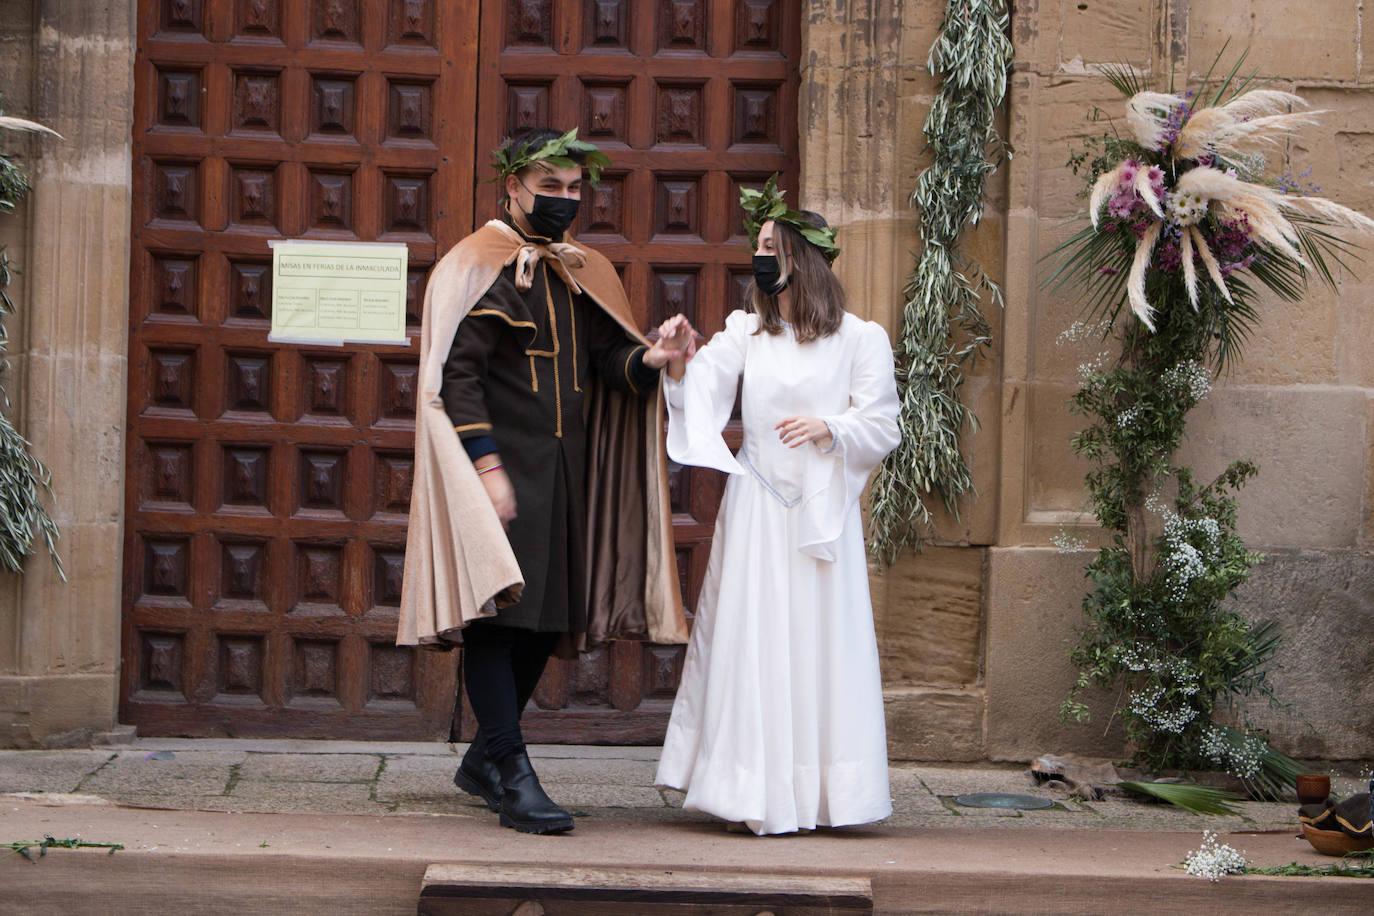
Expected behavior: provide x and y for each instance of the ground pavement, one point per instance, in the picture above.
(310, 826)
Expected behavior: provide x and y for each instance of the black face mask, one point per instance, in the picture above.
(552, 216)
(768, 274)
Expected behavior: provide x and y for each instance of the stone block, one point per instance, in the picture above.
(1367, 531)
(1323, 601)
(877, 261)
(1048, 121)
(933, 724)
(1034, 603)
(1295, 41)
(1312, 447)
(73, 625)
(1354, 331)
(1105, 33)
(930, 621)
(1053, 483)
(1294, 343)
(57, 710)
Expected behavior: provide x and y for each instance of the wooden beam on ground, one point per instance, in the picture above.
(515, 890)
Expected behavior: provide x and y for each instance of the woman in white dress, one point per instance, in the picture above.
(778, 722)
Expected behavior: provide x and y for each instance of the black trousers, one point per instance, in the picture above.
(501, 667)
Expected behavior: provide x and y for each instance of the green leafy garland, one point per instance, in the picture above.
(1186, 233)
(943, 327)
(23, 478)
(768, 204)
(509, 159)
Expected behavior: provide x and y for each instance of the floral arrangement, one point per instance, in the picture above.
(1186, 233)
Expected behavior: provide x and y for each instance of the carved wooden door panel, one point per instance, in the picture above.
(267, 486)
(691, 99)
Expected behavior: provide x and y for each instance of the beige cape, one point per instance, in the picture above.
(458, 564)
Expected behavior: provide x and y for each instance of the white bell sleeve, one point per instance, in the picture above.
(699, 406)
(862, 436)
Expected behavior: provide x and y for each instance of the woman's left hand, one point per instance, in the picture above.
(795, 431)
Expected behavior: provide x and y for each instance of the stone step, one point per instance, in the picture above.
(531, 890)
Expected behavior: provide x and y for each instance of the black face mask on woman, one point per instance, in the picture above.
(552, 216)
(768, 274)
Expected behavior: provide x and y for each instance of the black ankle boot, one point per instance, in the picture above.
(477, 774)
(524, 804)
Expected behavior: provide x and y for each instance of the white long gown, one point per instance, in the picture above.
(778, 721)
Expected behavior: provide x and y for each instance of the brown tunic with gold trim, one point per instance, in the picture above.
(517, 372)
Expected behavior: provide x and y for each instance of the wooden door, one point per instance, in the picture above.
(268, 486)
(692, 99)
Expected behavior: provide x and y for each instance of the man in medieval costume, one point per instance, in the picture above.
(539, 519)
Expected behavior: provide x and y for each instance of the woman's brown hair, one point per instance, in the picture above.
(818, 299)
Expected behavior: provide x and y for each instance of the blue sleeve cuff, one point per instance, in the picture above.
(478, 446)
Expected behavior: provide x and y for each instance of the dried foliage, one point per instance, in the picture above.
(943, 328)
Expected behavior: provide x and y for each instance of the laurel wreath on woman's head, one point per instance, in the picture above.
(509, 159)
(762, 205)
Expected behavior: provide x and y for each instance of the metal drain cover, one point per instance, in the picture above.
(1003, 800)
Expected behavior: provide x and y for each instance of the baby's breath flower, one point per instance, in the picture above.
(1214, 861)
(1190, 376)
(1127, 417)
(1067, 543)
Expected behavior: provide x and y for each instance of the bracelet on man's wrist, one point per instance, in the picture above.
(490, 467)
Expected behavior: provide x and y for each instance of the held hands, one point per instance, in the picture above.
(676, 344)
(498, 487)
(795, 431)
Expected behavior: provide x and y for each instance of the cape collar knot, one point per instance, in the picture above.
(562, 257)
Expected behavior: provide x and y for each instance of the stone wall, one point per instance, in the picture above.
(1301, 403)
(69, 66)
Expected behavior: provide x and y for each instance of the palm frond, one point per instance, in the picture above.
(1125, 78)
(1188, 796)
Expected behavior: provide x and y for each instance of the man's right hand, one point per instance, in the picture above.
(498, 487)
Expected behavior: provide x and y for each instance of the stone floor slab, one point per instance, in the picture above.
(962, 780)
(598, 796)
(407, 779)
(187, 773)
(48, 771)
(302, 797)
(596, 771)
(314, 767)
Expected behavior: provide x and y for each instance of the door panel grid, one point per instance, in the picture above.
(268, 485)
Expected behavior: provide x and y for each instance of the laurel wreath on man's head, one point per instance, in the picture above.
(509, 159)
(762, 205)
